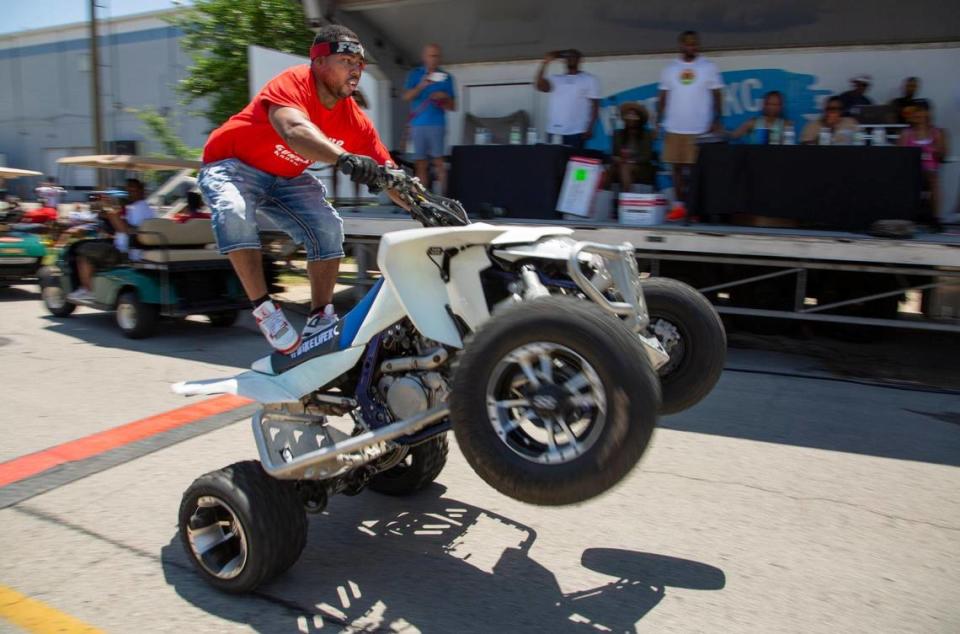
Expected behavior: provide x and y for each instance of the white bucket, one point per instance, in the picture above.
(642, 209)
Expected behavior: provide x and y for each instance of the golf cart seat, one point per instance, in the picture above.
(165, 241)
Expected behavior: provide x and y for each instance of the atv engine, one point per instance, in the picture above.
(413, 376)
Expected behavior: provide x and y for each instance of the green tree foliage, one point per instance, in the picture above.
(161, 131)
(216, 35)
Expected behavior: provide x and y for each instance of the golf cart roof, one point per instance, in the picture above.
(12, 172)
(130, 162)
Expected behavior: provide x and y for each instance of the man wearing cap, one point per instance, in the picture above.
(255, 162)
(857, 96)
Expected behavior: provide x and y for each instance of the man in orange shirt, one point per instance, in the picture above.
(256, 161)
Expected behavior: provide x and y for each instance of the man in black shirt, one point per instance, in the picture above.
(904, 105)
(858, 95)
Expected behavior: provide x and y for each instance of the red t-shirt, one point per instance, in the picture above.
(250, 137)
(40, 215)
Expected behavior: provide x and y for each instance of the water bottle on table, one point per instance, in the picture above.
(789, 136)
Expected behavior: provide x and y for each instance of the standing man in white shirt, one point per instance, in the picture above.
(690, 104)
(574, 99)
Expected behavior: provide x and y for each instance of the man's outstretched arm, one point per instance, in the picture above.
(302, 136)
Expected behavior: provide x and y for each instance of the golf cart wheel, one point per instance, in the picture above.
(421, 466)
(135, 318)
(240, 527)
(55, 299)
(224, 318)
(553, 401)
(691, 332)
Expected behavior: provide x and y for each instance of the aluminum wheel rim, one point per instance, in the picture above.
(217, 538)
(54, 297)
(127, 316)
(669, 336)
(546, 403)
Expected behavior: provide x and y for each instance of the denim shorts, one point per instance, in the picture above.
(427, 141)
(236, 192)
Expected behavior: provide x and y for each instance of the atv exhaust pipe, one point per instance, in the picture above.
(342, 456)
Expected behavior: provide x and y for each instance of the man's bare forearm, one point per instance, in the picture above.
(308, 141)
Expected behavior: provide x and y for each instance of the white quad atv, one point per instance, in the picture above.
(549, 358)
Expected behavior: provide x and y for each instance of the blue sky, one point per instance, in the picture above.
(24, 15)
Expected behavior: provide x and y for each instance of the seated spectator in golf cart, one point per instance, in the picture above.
(92, 256)
(194, 209)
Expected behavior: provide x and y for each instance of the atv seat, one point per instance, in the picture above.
(164, 241)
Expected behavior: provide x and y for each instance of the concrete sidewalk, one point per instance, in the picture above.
(715, 532)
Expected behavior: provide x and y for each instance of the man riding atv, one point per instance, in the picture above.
(256, 161)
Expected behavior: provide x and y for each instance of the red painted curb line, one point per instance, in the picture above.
(100, 442)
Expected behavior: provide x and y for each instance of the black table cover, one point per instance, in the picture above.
(523, 180)
(836, 187)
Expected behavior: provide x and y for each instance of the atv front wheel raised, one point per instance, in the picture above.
(553, 401)
(689, 329)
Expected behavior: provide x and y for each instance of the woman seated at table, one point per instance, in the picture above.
(933, 148)
(832, 128)
(632, 149)
(767, 128)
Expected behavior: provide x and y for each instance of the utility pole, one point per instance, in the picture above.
(95, 90)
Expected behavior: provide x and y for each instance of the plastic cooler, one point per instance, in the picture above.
(642, 209)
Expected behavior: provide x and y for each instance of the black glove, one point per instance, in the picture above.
(361, 169)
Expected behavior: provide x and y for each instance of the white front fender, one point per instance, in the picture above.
(416, 278)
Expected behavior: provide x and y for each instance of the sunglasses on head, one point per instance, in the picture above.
(343, 47)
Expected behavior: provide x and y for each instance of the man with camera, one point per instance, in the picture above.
(574, 99)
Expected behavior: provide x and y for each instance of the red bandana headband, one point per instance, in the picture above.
(345, 47)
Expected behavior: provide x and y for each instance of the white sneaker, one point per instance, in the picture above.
(319, 322)
(80, 295)
(275, 327)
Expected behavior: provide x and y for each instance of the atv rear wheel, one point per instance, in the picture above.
(553, 401)
(240, 527)
(421, 466)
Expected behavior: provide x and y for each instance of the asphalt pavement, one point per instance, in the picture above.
(793, 499)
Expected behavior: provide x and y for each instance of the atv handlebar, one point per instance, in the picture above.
(431, 210)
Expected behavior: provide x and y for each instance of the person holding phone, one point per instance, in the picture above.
(430, 92)
(574, 99)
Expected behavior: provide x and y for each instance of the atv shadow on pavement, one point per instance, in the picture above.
(439, 565)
